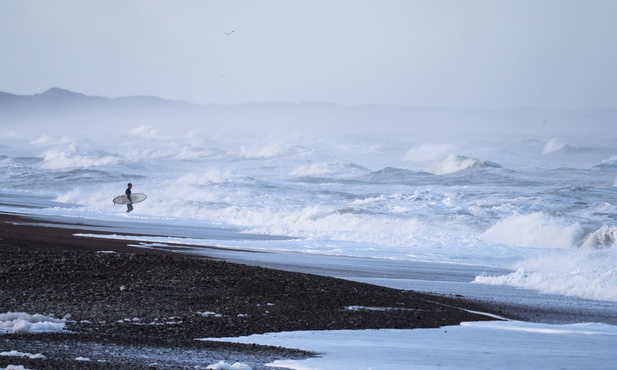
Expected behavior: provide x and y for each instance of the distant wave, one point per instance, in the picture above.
(610, 163)
(393, 175)
(329, 169)
(146, 132)
(8, 161)
(189, 152)
(50, 140)
(269, 151)
(73, 157)
(555, 145)
(602, 208)
(455, 163)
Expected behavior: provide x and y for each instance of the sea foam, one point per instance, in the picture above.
(585, 273)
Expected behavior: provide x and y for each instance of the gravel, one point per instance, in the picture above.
(128, 310)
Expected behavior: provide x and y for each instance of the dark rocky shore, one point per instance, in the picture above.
(140, 309)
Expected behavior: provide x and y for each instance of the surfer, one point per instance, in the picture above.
(129, 206)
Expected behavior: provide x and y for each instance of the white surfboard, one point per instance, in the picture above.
(135, 198)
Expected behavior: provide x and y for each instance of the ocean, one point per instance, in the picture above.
(542, 207)
(522, 214)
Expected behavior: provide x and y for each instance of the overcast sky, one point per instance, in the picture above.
(470, 54)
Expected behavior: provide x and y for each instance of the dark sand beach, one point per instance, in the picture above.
(143, 309)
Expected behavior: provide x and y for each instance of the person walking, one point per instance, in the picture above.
(129, 206)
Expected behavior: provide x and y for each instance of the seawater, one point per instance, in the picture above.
(546, 208)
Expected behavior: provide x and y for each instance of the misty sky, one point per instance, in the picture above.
(470, 54)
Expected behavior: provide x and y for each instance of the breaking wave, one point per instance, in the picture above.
(73, 157)
(536, 230)
(605, 237)
(610, 163)
(556, 145)
(456, 163)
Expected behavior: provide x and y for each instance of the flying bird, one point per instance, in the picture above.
(229, 33)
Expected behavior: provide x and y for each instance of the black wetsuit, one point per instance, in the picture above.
(129, 207)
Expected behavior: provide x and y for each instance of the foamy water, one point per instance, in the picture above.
(546, 208)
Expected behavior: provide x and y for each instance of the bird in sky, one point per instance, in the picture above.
(229, 33)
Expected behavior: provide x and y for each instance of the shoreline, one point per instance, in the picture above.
(164, 296)
(514, 303)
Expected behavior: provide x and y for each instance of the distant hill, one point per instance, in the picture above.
(70, 111)
(60, 100)
(61, 111)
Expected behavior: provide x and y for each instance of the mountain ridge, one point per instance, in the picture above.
(61, 93)
(78, 112)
